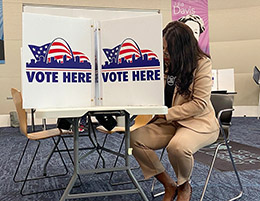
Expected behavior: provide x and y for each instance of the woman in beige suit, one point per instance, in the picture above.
(190, 123)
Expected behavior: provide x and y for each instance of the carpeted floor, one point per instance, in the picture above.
(246, 157)
(222, 185)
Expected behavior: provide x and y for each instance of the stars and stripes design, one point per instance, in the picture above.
(112, 54)
(81, 55)
(58, 49)
(149, 53)
(127, 51)
(39, 52)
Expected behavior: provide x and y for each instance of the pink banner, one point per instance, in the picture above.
(194, 13)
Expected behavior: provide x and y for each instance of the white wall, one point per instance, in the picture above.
(234, 42)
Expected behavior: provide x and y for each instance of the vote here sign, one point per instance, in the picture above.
(131, 70)
(57, 61)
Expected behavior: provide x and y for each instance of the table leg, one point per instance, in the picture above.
(127, 161)
(32, 120)
(138, 189)
(76, 159)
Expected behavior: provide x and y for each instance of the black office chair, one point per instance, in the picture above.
(256, 75)
(223, 106)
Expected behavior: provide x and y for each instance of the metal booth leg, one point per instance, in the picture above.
(128, 152)
(76, 160)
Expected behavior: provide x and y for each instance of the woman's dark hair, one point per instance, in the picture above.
(184, 54)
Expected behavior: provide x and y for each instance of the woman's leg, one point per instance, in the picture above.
(148, 138)
(144, 141)
(180, 152)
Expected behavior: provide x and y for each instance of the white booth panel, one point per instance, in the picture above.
(57, 61)
(131, 70)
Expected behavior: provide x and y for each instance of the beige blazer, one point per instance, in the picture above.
(196, 111)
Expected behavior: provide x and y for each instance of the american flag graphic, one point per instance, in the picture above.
(150, 54)
(56, 49)
(126, 50)
(39, 51)
(112, 53)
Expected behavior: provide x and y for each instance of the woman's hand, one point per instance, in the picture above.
(157, 117)
(162, 116)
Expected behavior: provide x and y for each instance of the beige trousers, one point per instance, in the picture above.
(180, 142)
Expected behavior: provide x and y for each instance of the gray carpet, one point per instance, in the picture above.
(222, 185)
(246, 157)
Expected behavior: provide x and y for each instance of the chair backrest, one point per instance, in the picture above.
(256, 75)
(18, 102)
(220, 102)
(141, 120)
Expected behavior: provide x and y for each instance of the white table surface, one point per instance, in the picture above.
(78, 112)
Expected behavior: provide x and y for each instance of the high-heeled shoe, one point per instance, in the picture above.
(182, 192)
(169, 185)
(190, 192)
(175, 195)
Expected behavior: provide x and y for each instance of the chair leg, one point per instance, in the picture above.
(154, 181)
(210, 170)
(97, 146)
(47, 161)
(27, 174)
(258, 108)
(102, 146)
(233, 164)
(56, 145)
(26, 179)
(115, 162)
(119, 151)
(236, 172)
(67, 149)
(51, 154)
(234, 167)
(44, 172)
(19, 163)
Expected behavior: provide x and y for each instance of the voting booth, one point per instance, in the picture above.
(78, 57)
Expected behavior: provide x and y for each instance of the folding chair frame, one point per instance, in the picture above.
(45, 176)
